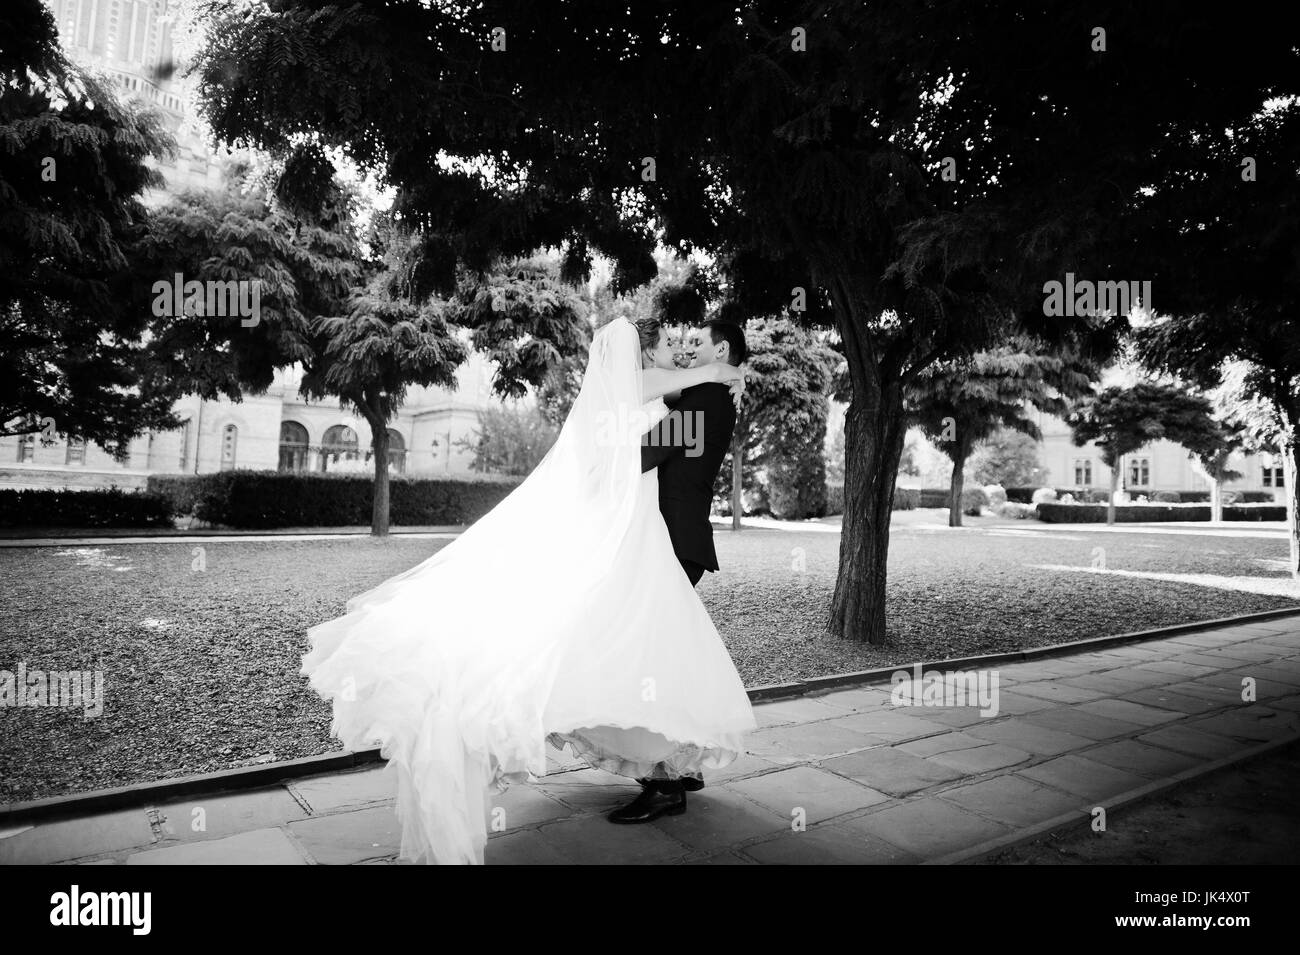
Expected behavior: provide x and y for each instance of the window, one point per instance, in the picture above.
(76, 451)
(27, 447)
(1082, 472)
(396, 452)
(1273, 477)
(1139, 472)
(293, 446)
(339, 445)
(229, 440)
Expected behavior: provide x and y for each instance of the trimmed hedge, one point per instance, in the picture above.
(972, 499)
(1025, 495)
(933, 497)
(905, 499)
(180, 489)
(1137, 513)
(266, 499)
(60, 507)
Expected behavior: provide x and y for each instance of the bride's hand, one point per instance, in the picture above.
(737, 389)
(725, 372)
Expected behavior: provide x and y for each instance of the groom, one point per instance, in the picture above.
(687, 470)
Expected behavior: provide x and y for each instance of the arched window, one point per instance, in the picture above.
(339, 445)
(396, 452)
(293, 446)
(229, 440)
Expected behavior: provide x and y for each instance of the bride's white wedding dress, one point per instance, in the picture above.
(560, 614)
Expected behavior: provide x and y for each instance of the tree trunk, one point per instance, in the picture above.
(874, 429)
(379, 515)
(1216, 499)
(1114, 489)
(737, 475)
(960, 452)
(1290, 468)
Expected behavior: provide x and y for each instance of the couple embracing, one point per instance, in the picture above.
(566, 614)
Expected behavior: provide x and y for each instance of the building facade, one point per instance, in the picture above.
(1160, 466)
(432, 436)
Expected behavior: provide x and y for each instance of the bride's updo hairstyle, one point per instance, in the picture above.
(647, 330)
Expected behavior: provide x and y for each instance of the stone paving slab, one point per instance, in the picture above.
(837, 777)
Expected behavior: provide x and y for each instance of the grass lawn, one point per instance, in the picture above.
(201, 667)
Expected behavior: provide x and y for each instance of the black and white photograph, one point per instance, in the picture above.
(570, 433)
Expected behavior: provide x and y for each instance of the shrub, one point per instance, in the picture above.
(973, 500)
(1167, 497)
(265, 499)
(997, 495)
(1044, 495)
(934, 497)
(47, 507)
(1255, 512)
(1014, 509)
(835, 498)
(1132, 513)
(180, 489)
(1255, 497)
(906, 498)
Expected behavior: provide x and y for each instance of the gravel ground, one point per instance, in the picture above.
(201, 667)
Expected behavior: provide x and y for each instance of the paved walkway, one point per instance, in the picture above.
(845, 777)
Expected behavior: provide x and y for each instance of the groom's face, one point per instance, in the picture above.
(699, 348)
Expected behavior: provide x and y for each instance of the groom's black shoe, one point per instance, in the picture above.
(692, 784)
(662, 797)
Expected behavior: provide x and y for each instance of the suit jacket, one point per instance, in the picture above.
(686, 479)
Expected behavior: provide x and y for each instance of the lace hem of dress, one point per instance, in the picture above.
(688, 759)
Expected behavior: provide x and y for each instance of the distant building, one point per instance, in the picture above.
(430, 437)
(1160, 466)
(131, 40)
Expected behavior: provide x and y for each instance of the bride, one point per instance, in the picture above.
(562, 613)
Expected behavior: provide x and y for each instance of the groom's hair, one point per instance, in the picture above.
(721, 330)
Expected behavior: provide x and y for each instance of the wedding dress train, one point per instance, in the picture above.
(560, 614)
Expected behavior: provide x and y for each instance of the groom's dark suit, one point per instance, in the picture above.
(686, 480)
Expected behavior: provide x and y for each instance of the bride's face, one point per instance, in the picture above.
(661, 356)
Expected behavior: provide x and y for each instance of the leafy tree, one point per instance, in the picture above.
(391, 338)
(803, 145)
(1220, 245)
(959, 403)
(1213, 453)
(304, 264)
(1124, 420)
(510, 440)
(72, 173)
(780, 434)
(1007, 457)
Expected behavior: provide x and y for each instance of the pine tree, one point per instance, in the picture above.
(72, 173)
(960, 403)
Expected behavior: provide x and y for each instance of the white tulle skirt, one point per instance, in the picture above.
(541, 622)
